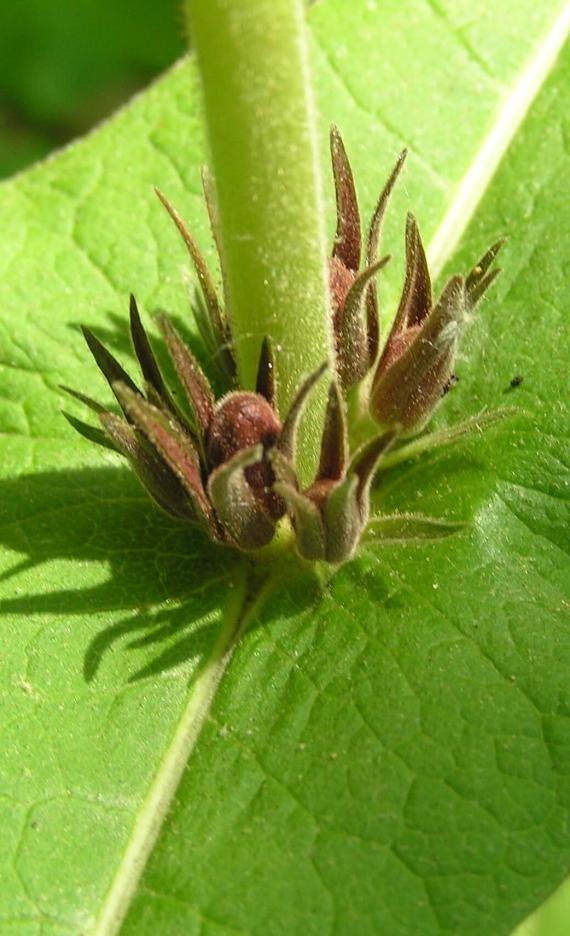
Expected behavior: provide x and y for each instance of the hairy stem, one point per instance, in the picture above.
(252, 58)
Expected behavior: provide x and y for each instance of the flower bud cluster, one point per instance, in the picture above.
(229, 465)
(414, 368)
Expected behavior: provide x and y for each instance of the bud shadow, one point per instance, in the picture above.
(167, 578)
(156, 629)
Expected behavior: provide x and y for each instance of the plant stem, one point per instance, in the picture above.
(252, 57)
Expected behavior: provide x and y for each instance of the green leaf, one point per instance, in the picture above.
(386, 755)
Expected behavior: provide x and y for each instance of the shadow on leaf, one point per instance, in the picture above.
(166, 576)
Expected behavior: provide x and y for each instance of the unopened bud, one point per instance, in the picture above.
(417, 364)
(241, 421)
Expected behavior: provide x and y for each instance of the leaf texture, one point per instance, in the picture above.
(390, 755)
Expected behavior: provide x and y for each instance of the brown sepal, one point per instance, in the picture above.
(107, 363)
(147, 360)
(334, 443)
(193, 379)
(174, 446)
(288, 436)
(351, 332)
(348, 237)
(373, 241)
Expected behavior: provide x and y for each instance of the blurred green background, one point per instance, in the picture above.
(66, 65)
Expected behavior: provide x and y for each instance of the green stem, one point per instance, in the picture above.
(252, 57)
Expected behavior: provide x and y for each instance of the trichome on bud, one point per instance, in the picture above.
(229, 465)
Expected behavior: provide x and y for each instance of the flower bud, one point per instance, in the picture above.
(241, 421)
(417, 365)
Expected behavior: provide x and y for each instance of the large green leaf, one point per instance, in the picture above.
(391, 755)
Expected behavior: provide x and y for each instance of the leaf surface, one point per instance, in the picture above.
(390, 756)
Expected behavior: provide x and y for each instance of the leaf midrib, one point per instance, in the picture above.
(243, 604)
(515, 106)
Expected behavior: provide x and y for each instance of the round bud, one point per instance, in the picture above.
(241, 420)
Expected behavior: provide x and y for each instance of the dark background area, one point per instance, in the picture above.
(65, 66)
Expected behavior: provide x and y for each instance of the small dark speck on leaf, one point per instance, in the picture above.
(515, 382)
